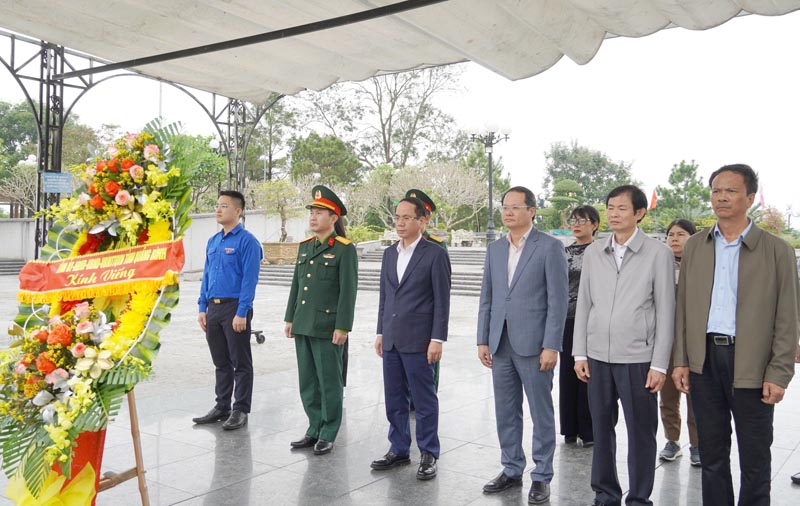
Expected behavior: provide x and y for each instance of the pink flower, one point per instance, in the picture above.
(137, 172)
(54, 320)
(112, 151)
(83, 198)
(82, 310)
(151, 152)
(20, 369)
(130, 139)
(78, 350)
(56, 376)
(84, 327)
(122, 198)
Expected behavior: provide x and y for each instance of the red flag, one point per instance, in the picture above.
(653, 200)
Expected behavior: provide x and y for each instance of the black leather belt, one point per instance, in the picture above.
(223, 300)
(721, 339)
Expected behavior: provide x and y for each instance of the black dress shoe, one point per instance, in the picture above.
(500, 483)
(796, 478)
(322, 447)
(427, 467)
(570, 440)
(540, 493)
(389, 461)
(306, 442)
(215, 415)
(237, 420)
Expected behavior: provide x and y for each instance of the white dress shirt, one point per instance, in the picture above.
(404, 257)
(515, 252)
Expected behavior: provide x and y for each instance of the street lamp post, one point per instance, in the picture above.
(489, 137)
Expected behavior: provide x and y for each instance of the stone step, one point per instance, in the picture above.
(11, 267)
(463, 283)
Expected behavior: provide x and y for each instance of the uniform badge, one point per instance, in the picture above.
(303, 254)
(329, 255)
(228, 251)
(318, 195)
(330, 241)
(413, 195)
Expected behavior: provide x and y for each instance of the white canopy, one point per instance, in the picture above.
(514, 38)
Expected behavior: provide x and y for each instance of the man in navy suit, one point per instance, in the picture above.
(521, 318)
(413, 316)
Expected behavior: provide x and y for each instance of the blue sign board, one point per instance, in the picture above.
(57, 182)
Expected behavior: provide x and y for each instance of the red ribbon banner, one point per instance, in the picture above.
(114, 272)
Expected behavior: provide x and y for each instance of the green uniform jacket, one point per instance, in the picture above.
(323, 295)
(434, 239)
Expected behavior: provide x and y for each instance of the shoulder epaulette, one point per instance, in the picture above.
(344, 240)
(308, 239)
(435, 238)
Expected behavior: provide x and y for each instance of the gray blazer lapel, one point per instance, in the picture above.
(525, 256)
(502, 259)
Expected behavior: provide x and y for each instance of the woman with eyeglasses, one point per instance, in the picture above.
(678, 232)
(573, 402)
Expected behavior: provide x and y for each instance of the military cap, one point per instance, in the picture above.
(419, 194)
(326, 199)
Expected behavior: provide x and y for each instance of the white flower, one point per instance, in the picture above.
(94, 362)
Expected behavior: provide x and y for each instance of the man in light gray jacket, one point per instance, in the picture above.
(622, 343)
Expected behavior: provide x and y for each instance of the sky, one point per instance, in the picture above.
(720, 96)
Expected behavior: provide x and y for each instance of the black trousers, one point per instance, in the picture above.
(714, 400)
(573, 400)
(610, 383)
(232, 357)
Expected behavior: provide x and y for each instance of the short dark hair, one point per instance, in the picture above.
(235, 196)
(638, 198)
(588, 212)
(419, 206)
(747, 172)
(684, 224)
(530, 198)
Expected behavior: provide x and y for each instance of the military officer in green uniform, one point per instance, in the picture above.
(319, 316)
(430, 207)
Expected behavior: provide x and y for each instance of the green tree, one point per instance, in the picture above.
(279, 196)
(591, 169)
(76, 142)
(18, 132)
(566, 195)
(267, 152)
(327, 158)
(686, 197)
(206, 169)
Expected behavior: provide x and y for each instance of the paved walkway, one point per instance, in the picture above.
(203, 465)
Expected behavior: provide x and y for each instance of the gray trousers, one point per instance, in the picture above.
(511, 373)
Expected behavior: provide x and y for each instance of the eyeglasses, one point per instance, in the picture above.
(404, 219)
(221, 206)
(514, 209)
(578, 221)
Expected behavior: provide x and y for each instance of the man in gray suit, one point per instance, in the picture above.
(521, 318)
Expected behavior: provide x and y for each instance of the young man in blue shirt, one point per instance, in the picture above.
(230, 274)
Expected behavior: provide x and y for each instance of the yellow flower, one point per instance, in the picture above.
(159, 232)
(78, 492)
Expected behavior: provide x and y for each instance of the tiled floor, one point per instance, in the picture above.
(203, 465)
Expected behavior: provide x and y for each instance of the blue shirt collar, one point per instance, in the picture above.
(739, 240)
